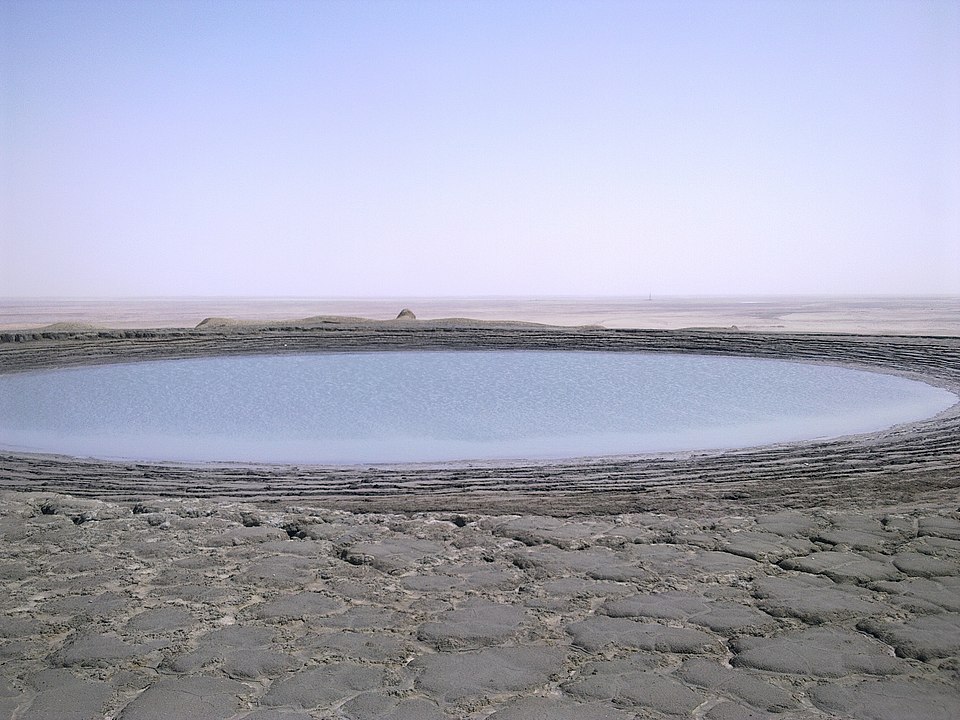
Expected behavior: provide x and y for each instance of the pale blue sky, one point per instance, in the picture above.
(462, 148)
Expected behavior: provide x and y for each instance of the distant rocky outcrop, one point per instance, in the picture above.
(406, 314)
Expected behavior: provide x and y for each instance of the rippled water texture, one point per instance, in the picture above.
(436, 406)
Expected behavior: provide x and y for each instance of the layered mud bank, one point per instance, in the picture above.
(887, 467)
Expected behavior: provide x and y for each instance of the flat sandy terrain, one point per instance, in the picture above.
(814, 580)
(886, 315)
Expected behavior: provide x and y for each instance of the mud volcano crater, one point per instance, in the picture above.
(893, 461)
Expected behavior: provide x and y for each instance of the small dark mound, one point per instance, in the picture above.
(217, 322)
(406, 314)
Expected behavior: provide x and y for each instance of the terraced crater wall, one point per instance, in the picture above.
(896, 465)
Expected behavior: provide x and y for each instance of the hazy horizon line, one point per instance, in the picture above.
(643, 296)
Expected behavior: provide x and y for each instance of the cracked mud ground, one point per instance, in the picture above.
(211, 610)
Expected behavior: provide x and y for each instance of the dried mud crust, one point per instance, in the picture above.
(197, 608)
(891, 466)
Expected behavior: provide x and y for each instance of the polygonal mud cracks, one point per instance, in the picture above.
(922, 565)
(295, 606)
(787, 523)
(362, 617)
(323, 685)
(257, 664)
(719, 616)
(711, 675)
(283, 571)
(939, 526)
(925, 595)
(392, 555)
(729, 710)
(483, 577)
(818, 652)
(629, 682)
(276, 714)
(89, 606)
(537, 530)
(562, 708)
(16, 627)
(814, 599)
(61, 695)
(599, 563)
(370, 647)
(925, 638)
(99, 650)
(857, 539)
(889, 700)
(843, 567)
(765, 547)
(456, 676)
(486, 627)
(11, 699)
(381, 706)
(247, 536)
(598, 632)
(477, 624)
(718, 565)
(230, 646)
(161, 620)
(187, 698)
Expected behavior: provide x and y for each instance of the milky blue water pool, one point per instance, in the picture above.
(406, 406)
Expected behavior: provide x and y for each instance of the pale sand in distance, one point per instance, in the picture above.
(654, 589)
(891, 315)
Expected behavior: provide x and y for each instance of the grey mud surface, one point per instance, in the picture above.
(195, 608)
(811, 581)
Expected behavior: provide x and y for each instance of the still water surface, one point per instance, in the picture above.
(373, 407)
